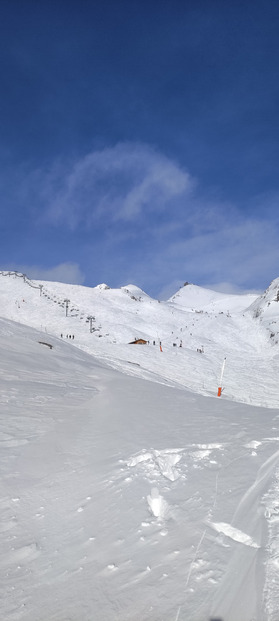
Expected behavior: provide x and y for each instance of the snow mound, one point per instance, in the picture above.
(157, 504)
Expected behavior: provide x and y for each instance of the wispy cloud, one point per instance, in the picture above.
(133, 214)
(124, 183)
(65, 272)
(244, 254)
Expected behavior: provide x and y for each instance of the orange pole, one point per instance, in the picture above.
(222, 373)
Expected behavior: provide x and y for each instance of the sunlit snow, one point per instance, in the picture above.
(129, 490)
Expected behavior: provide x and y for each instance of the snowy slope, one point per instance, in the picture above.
(216, 324)
(128, 500)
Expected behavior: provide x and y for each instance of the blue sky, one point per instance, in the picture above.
(139, 142)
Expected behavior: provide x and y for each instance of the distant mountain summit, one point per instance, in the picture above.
(197, 298)
(267, 303)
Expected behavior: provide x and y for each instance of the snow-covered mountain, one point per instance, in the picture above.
(123, 499)
(104, 321)
(116, 313)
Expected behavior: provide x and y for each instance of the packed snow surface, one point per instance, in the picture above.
(129, 490)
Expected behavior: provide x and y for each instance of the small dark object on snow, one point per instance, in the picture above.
(47, 344)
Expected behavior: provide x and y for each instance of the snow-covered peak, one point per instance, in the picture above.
(102, 287)
(266, 309)
(267, 304)
(198, 298)
(135, 291)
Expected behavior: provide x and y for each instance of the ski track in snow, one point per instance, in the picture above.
(163, 470)
(271, 591)
(228, 534)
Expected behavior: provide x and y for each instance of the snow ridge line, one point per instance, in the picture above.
(26, 279)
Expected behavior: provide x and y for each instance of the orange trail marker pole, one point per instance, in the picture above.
(221, 378)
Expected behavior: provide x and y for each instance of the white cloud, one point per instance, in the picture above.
(236, 248)
(142, 218)
(122, 182)
(233, 258)
(227, 287)
(64, 272)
